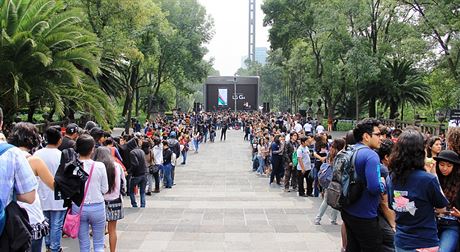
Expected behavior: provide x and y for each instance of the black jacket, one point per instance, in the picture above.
(66, 143)
(17, 234)
(137, 163)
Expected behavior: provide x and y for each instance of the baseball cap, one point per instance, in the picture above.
(71, 128)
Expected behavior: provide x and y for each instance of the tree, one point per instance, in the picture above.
(404, 86)
(47, 58)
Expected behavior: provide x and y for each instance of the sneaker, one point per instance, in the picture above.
(334, 222)
(156, 191)
(148, 193)
(287, 190)
(317, 221)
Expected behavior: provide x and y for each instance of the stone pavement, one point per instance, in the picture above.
(219, 204)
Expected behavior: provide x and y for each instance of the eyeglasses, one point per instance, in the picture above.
(377, 134)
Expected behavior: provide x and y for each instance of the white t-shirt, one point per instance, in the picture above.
(304, 154)
(52, 159)
(34, 210)
(319, 129)
(307, 127)
(297, 127)
(99, 185)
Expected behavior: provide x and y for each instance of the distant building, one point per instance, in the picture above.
(261, 55)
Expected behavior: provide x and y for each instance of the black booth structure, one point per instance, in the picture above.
(219, 93)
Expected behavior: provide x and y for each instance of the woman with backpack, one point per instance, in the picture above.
(324, 178)
(93, 207)
(113, 199)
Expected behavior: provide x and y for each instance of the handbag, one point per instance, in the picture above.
(72, 221)
(153, 168)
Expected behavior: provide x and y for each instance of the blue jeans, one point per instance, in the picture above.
(94, 215)
(196, 143)
(322, 210)
(36, 245)
(167, 174)
(184, 157)
(448, 238)
(141, 183)
(56, 220)
(260, 169)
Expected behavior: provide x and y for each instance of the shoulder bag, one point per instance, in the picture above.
(72, 221)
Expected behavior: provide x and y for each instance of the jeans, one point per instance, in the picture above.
(56, 220)
(260, 169)
(322, 210)
(205, 136)
(149, 182)
(362, 234)
(94, 215)
(141, 182)
(167, 174)
(448, 238)
(196, 144)
(36, 245)
(184, 157)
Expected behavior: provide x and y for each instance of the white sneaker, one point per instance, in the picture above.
(317, 221)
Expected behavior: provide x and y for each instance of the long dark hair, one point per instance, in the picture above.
(450, 184)
(337, 145)
(104, 155)
(408, 155)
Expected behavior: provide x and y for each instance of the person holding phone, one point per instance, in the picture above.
(447, 170)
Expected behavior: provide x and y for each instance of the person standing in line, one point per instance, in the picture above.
(223, 132)
(360, 217)
(167, 159)
(53, 209)
(337, 145)
(137, 172)
(448, 173)
(276, 160)
(71, 134)
(93, 213)
(196, 140)
(290, 171)
(416, 227)
(433, 147)
(158, 159)
(16, 175)
(304, 165)
(113, 200)
(25, 136)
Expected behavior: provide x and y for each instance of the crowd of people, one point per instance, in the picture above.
(406, 190)
(404, 196)
(73, 172)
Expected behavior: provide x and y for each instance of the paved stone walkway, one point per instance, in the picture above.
(219, 204)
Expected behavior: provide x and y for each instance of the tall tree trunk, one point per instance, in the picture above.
(126, 105)
(402, 111)
(137, 102)
(31, 111)
(128, 115)
(51, 114)
(393, 110)
(371, 107)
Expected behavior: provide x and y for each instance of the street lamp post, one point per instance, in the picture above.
(235, 97)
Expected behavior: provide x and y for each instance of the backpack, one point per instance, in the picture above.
(325, 175)
(3, 148)
(344, 188)
(295, 160)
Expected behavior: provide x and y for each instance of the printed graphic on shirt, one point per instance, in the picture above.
(402, 204)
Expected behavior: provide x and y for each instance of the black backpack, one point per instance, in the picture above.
(344, 188)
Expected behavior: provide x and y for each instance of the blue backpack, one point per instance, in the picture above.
(325, 175)
(3, 148)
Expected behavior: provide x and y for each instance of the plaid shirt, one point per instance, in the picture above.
(15, 173)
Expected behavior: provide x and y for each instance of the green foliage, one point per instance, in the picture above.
(48, 59)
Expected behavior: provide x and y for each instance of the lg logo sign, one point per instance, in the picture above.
(239, 97)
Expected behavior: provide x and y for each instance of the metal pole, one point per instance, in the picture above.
(234, 91)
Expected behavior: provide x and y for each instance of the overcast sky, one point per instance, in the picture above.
(230, 41)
